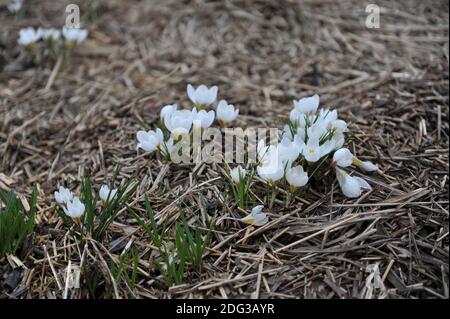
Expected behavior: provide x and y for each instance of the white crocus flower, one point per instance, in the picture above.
(288, 151)
(307, 105)
(74, 36)
(296, 177)
(271, 170)
(312, 151)
(151, 140)
(256, 217)
(167, 110)
(237, 174)
(50, 34)
(63, 195)
(29, 36)
(179, 122)
(338, 126)
(203, 118)
(75, 209)
(202, 96)
(226, 112)
(343, 157)
(365, 165)
(106, 193)
(15, 6)
(351, 186)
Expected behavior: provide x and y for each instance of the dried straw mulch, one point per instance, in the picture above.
(390, 83)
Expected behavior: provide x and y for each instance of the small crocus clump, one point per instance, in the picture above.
(72, 205)
(177, 123)
(310, 138)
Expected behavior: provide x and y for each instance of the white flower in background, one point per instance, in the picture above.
(167, 110)
(150, 141)
(351, 186)
(75, 208)
(226, 112)
(106, 193)
(237, 173)
(256, 217)
(50, 34)
(63, 195)
(203, 118)
(29, 36)
(296, 177)
(307, 105)
(179, 122)
(15, 5)
(343, 157)
(74, 36)
(202, 96)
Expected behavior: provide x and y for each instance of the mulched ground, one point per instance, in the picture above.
(390, 83)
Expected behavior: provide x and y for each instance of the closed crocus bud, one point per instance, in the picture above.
(307, 105)
(179, 122)
(226, 112)
(167, 110)
(343, 157)
(106, 193)
(256, 217)
(296, 177)
(202, 96)
(237, 174)
(150, 141)
(366, 165)
(75, 208)
(63, 195)
(351, 186)
(202, 118)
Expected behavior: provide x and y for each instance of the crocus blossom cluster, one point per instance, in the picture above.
(29, 37)
(71, 205)
(74, 207)
(311, 136)
(175, 122)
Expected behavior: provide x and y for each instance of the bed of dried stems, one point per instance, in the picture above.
(390, 83)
